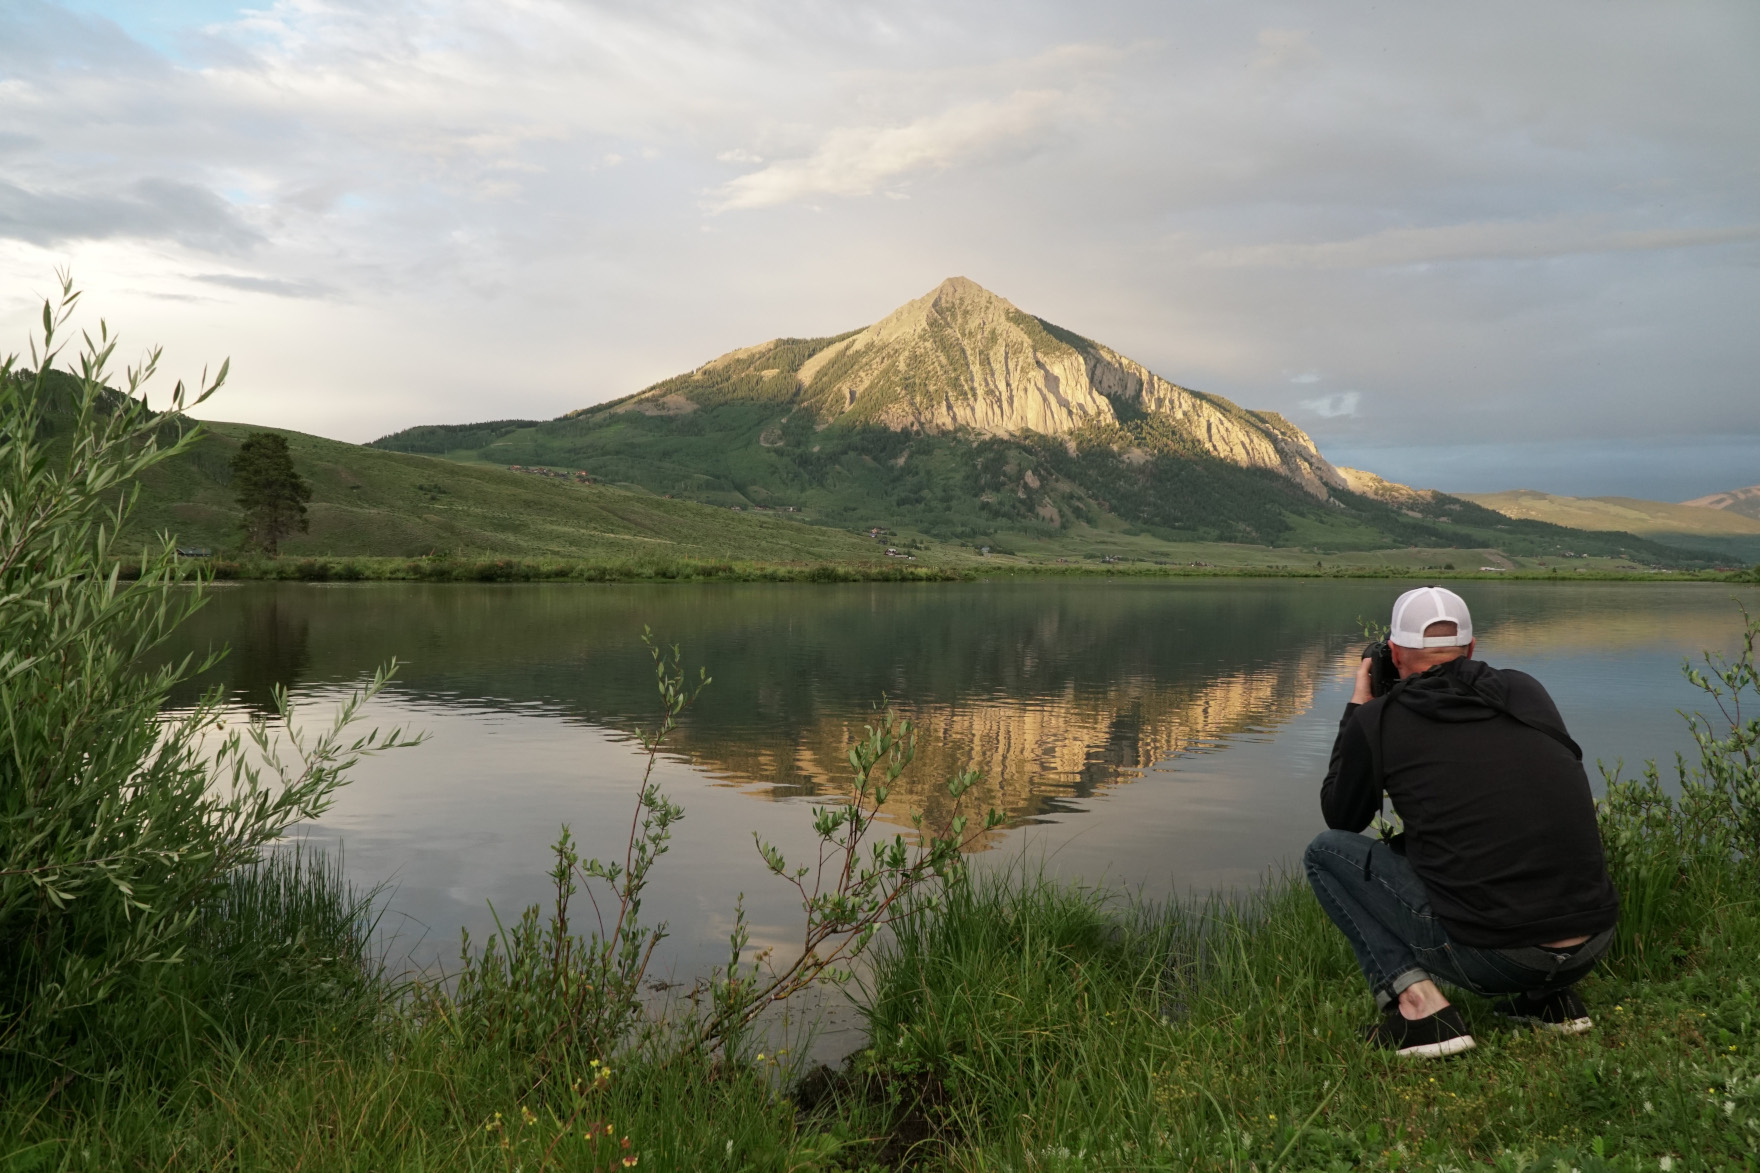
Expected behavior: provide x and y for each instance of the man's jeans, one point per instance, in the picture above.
(1378, 902)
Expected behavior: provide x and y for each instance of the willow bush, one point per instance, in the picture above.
(1680, 853)
(116, 823)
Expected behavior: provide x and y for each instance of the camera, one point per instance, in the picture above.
(1382, 674)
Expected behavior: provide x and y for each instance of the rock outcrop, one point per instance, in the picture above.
(1367, 484)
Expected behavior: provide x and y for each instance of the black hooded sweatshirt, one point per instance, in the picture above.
(1499, 822)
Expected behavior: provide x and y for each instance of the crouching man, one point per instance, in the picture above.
(1497, 884)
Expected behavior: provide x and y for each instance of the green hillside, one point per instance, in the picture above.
(368, 502)
(729, 434)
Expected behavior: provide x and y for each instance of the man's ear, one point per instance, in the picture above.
(1399, 658)
(1470, 648)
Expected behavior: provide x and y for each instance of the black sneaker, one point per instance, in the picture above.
(1560, 1011)
(1440, 1035)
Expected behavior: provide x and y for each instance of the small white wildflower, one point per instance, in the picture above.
(1667, 1163)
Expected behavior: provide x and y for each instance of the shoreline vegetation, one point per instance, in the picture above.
(181, 990)
(1012, 1022)
(465, 569)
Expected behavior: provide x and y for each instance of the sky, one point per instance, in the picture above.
(1467, 247)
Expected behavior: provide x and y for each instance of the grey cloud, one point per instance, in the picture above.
(855, 160)
(1662, 468)
(273, 286)
(1475, 242)
(1537, 220)
(152, 209)
(1334, 406)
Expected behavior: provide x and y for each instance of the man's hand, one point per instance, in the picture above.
(1362, 696)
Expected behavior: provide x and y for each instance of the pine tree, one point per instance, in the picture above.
(272, 494)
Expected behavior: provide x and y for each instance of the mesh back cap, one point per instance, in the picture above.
(1417, 609)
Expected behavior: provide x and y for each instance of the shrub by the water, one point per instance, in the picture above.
(117, 826)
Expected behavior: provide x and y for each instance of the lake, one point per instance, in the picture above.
(1162, 735)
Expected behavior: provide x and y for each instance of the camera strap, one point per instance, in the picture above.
(1557, 735)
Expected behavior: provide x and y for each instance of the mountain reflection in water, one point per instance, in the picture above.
(1050, 694)
(1163, 733)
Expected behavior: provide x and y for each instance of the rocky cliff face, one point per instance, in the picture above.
(961, 359)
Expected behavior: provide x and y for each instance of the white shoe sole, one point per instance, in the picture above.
(1440, 1050)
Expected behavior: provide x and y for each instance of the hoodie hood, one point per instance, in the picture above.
(1456, 690)
(1472, 690)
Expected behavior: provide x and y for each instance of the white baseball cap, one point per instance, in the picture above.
(1417, 609)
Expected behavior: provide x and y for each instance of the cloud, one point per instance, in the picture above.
(855, 160)
(1232, 199)
(273, 286)
(1333, 406)
(1282, 50)
(1478, 241)
(160, 209)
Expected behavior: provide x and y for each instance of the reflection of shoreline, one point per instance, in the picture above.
(1030, 753)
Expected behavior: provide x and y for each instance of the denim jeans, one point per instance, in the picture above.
(1378, 902)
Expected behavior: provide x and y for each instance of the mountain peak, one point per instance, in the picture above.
(962, 289)
(955, 301)
(961, 358)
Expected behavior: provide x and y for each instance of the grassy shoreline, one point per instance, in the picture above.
(1012, 1023)
(369, 569)
(1020, 1025)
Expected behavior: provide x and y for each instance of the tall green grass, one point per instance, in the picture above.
(1019, 1024)
(1029, 1025)
(281, 950)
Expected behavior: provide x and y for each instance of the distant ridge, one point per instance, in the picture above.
(1692, 525)
(1744, 501)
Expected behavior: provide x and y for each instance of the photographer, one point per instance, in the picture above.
(1497, 883)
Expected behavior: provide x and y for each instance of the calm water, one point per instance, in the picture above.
(1166, 735)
